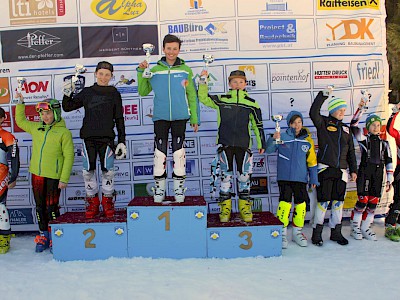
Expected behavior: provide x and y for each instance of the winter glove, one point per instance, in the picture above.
(68, 87)
(120, 151)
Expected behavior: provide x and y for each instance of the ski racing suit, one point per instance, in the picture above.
(237, 115)
(8, 151)
(103, 111)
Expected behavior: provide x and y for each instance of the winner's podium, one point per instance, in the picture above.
(165, 230)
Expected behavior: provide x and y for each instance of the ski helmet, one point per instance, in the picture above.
(50, 104)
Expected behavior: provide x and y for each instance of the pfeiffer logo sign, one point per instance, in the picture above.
(118, 10)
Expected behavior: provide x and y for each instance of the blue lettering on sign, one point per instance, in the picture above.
(277, 31)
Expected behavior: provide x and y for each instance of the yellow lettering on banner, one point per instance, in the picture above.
(348, 4)
(118, 10)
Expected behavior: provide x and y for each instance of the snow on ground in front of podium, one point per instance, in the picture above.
(361, 270)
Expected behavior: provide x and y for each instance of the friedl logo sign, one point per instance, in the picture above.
(347, 4)
(118, 10)
(277, 31)
(38, 41)
(35, 12)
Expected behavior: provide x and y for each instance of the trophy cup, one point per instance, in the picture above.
(328, 91)
(148, 48)
(79, 69)
(21, 81)
(366, 97)
(208, 59)
(277, 119)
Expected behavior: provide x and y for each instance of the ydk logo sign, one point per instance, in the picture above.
(350, 29)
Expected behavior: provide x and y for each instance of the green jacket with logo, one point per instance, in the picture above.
(52, 147)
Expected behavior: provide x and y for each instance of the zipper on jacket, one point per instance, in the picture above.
(41, 152)
(169, 93)
(338, 161)
(237, 104)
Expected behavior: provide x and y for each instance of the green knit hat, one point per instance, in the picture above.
(371, 119)
(335, 104)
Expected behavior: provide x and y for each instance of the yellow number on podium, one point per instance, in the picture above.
(88, 242)
(166, 215)
(248, 239)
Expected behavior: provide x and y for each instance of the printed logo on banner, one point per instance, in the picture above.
(204, 36)
(352, 32)
(78, 152)
(131, 112)
(192, 188)
(250, 71)
(18, 197)
(277, 31)
(259, 165)
(122, 172)
(256, 205)
(40, 44)
(4, 91)
(118, 10)
(125, 84)
(331, 72)
(142, 147)
(123, 194)
(75, 195)
(23, 177)
(21, 216)
(106, 41)
(347, 4)
(143, 171)
(259, 185)
(276, 6)
(34, 12)
(367, 72)
(196, 8)
(208, 145)
(34, 88)
(290, 76)
(190, 145)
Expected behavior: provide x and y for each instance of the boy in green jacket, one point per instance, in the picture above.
(51, 161)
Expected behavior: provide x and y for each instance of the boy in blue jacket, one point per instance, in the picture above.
(297, 166)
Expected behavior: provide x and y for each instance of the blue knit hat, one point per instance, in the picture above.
(335, 104)
(371, 119)
(292, 114)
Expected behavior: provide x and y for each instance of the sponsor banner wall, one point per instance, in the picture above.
(289, 49)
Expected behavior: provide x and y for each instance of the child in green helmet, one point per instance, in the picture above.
(51, 161)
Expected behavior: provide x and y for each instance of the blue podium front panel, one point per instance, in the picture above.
(261, 237)
(77, 238)
(169, 229)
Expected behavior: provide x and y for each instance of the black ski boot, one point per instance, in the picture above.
(316, 238)
(336, 235)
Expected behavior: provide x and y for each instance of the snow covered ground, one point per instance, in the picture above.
(362, 270)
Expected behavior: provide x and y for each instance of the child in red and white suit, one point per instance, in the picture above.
(375, 156)
(8, 177)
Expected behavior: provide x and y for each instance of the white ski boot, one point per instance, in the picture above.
(159, 190)
(298, 237)
(284, 238)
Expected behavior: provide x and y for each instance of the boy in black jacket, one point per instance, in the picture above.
(335, 154)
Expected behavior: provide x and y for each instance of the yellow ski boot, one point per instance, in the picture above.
(245, 210)
(4, 243)
(226, 208)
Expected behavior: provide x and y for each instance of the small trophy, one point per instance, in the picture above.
(208, 59)
(79, 69)
(328, 91)
(21, 81)
(277, 119)
(366, 97)
(148, 48)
